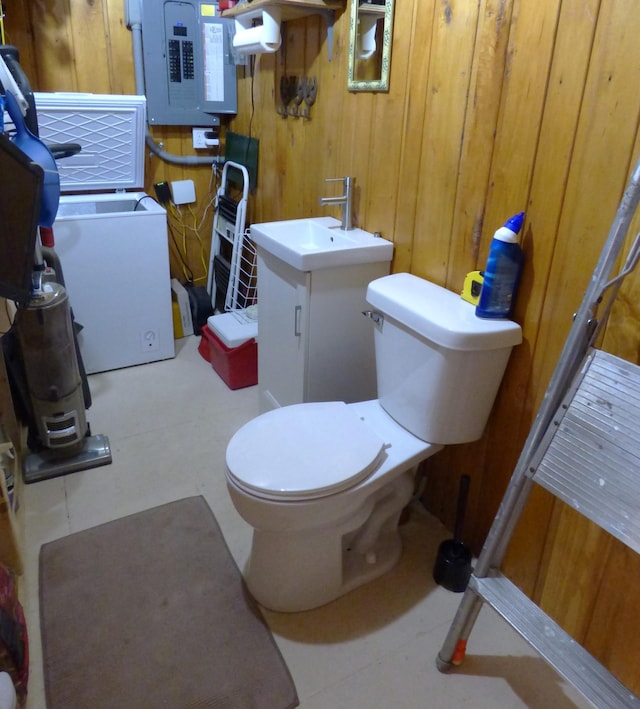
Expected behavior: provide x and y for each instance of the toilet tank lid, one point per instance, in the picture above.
(439, 315)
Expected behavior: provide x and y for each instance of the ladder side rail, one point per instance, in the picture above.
(454, 647)
(214, 249)
(579, 339)
(609, 254)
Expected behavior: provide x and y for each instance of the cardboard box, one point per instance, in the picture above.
(180, 296)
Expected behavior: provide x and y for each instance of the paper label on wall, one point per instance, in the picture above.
(213, 44)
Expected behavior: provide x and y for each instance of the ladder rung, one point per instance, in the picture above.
(228, 208)
(591, 457)
(558, 648)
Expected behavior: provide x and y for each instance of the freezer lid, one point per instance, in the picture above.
(111, 130)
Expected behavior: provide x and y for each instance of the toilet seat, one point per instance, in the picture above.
(303, 451)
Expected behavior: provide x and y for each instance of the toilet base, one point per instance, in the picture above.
(297, 572)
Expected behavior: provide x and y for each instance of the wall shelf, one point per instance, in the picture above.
(370, 9)
(293, 10)
(290, 9)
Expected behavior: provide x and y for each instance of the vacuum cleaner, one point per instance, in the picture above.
(55, 389)
(44, 364)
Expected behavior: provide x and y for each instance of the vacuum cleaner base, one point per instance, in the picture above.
(93, 452)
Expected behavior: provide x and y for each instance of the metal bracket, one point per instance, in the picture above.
(378, 318)
(329, 16)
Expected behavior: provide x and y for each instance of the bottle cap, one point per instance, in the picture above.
(509, 232)
(515, 223)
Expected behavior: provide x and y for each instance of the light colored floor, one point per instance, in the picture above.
(169, 423)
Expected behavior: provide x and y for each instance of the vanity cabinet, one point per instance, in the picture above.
(314, 342)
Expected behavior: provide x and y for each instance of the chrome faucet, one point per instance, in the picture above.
(345, 200)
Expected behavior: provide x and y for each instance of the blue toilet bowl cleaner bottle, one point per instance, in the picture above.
(502, 274)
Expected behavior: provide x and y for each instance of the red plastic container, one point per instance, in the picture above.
(236, 366)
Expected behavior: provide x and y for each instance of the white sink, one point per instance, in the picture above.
(319, 242)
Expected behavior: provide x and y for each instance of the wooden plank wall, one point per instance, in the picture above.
(495, 106)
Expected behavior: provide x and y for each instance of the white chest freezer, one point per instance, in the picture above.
(112, 245)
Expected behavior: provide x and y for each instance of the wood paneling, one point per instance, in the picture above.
(494, 107)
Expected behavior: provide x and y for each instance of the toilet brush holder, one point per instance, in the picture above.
(452, 567)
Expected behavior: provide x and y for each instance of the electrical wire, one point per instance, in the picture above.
(180, 228)
(252, 68)
(186, 270)
(145, 196)
(199, 238)
(198, 220)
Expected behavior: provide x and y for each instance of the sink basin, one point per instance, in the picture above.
(319, 242)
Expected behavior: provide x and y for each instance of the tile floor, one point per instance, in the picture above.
(168, 423)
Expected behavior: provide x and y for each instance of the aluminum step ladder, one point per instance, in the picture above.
(583, 447)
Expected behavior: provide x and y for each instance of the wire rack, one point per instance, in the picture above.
(242, 292)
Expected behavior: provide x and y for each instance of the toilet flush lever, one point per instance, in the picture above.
(378, 318)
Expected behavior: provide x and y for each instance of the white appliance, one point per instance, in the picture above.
(112, 245)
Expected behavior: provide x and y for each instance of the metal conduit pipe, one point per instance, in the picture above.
(136, 31)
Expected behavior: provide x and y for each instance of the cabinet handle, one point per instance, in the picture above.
(296, 323)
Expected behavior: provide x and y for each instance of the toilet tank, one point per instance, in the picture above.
(438, 365)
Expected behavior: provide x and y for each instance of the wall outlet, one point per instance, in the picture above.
(149, 340)
(204, 138)
(183, 191)
(198, 135)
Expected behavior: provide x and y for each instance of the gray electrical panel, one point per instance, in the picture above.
(189, 71)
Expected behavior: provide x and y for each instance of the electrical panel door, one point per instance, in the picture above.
(190, 74)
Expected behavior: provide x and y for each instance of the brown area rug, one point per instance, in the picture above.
(151, 611)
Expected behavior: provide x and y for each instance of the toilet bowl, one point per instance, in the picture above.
(334, 525)
(323, 484)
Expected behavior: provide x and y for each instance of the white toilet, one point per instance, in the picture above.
(323, 484)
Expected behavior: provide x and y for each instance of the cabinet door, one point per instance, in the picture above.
(283, 312)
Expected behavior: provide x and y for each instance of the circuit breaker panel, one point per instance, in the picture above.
(189, 71)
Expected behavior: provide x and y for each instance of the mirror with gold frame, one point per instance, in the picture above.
(370, 34)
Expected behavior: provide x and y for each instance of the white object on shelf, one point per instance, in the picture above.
(292, 10)
(263, 38)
